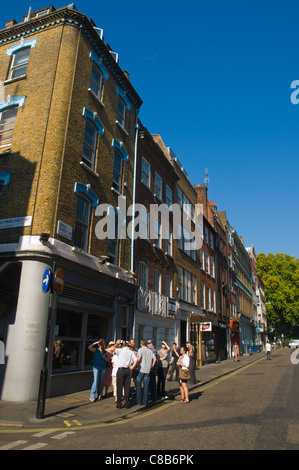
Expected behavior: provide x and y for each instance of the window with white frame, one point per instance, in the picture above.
(207, 262)
(158, 186)
(98, 74)
(93, 127)
(212, 267)
(206, 235)
(96, 81)
(203, 295)
(212, 241)
(213, 300)
(188, 285)
(19, 62)
(89, 145)
(113, 245)
(208, 298)
(144, 223)
(168, 286)
(117, 172)
(7, 125)
(194, 290)
(82, 223)
(181, 283)
(168, 242)
(123, 104)
(157, 281)
(168, 196)
(180, 236)
(157, 233)
(121, 112)
(143, 275)
(201, 255)
(180, 200)
(145, 172)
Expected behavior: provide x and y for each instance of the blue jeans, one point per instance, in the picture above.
(142, 377)
(97, 386)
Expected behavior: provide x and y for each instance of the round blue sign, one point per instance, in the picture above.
(46, 280)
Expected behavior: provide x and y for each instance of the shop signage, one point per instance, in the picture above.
(206, 326)
(16, 222)
(46, 280)
(59, 281)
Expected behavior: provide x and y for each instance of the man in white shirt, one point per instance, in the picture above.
(126, 361)
(268, 349)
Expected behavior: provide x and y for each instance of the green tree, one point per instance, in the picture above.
(280, 275)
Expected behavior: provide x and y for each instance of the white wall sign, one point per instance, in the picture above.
(64, 230)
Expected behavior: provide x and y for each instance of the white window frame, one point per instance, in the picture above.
(90, 162)
(143, 275)
(208, 298)
(168, 286)
(168, 242)
(158, 186)
(80, 222)
(24, 64)
(157, 281)
(203, 295)
(117, 175)
(207, 259)
(121, 113)
(145, 173)
(168, 196)
(9, 128)
(96, 86)
(157, 233)
(212, 267)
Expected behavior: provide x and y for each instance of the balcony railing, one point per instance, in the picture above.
(155, 303)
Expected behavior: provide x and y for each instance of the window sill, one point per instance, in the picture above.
(5, 151)
(80, 251)
(122, 128)
(115, 191)
(89, 169)
(12, 80)
(96, 97)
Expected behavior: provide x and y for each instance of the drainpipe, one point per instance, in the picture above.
(134, 192)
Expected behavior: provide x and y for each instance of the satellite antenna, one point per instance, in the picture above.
(207, 179)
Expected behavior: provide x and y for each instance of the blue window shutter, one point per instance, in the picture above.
(92, 117)
(120, 148)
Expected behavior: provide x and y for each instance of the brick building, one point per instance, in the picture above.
(187, 275)
(68, 116)
(154, 255)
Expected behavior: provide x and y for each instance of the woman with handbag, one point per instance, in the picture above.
(184, 375)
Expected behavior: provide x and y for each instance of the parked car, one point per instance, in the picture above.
(294, 344)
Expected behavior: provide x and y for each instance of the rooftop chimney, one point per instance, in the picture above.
(10, 23)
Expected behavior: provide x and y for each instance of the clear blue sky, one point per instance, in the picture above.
(215, 80)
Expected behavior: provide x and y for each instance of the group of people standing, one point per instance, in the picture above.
(120, 362)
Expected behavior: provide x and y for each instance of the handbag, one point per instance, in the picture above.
(184, 374)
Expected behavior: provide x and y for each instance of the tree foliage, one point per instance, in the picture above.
(280, 275)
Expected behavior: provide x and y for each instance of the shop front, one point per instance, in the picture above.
(96, 302)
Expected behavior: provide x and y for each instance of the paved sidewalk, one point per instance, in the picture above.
(76, 409)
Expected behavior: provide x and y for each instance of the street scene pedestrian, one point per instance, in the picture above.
(99, 366)
(127, 361)
(235, 352)
(268, 350)
(183, 363)
(153, 372)
(175, 354)
(146, 361)
(107, 381)
(163, 364)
